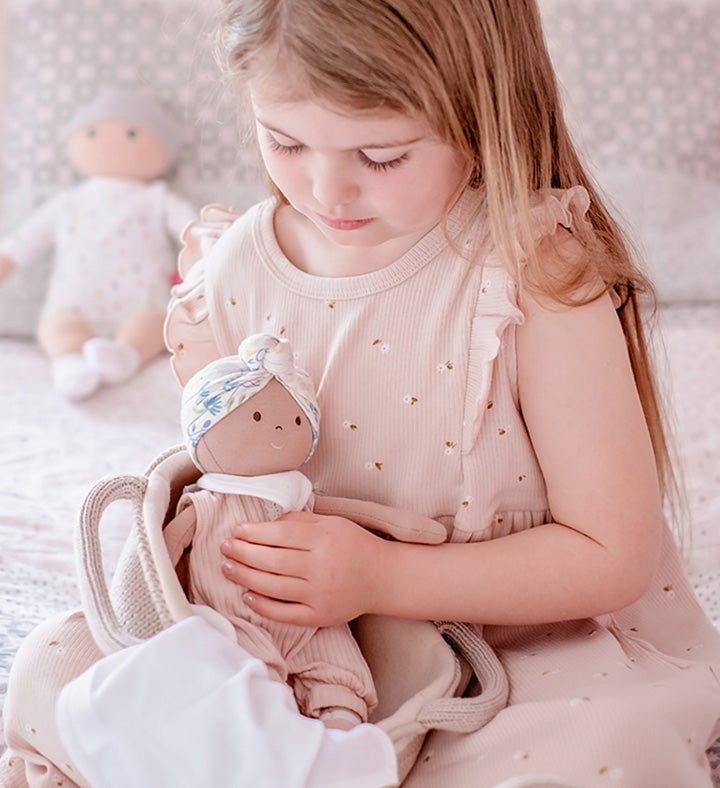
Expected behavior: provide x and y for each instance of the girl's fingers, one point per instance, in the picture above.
(262, 583)
(280, 533)
(279, 561)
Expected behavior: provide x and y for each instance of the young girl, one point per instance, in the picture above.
(470, 311)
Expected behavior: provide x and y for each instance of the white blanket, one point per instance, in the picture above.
(190, 707)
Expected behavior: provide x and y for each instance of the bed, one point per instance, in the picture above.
(667, 189)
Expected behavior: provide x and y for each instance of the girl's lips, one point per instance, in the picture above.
(343, 224)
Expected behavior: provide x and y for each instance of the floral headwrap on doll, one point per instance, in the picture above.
(223, 385)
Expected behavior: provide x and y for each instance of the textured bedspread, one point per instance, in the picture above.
(53, 451)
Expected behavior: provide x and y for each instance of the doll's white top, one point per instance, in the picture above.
(290, 490)
(113, 242)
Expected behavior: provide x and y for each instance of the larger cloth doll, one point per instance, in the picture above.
(250, 422)
(113, 239)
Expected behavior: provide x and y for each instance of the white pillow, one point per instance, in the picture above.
(641, 80)
(57, 54)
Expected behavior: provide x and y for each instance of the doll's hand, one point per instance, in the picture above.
(306, 568)
(7, 264)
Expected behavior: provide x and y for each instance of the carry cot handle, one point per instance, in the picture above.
(468, 714)
(103, 621)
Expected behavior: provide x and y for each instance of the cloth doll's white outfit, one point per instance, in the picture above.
(419, 394)
(324, 665)
(114, 243)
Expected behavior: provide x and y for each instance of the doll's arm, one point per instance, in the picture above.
(34, 237)
(401, 524)
(179, 532)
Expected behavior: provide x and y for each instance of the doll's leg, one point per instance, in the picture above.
(332, 679)
(62, 336)
(144, 333)
(51, 656)
(63, 333)
(138, 340)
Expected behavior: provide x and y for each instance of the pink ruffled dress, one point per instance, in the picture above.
(416, 369)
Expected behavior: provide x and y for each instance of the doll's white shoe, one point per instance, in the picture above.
(74, 377)
(113, 362)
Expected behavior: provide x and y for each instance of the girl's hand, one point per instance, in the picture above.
(305, 568)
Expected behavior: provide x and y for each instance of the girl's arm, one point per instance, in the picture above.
(584, 417)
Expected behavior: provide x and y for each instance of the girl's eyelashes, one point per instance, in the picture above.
(382, 166)
(277, 147)
(376, 166)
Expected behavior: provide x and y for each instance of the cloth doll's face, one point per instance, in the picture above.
(117, 149)
(268, 433)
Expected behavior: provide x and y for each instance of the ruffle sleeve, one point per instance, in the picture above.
(188, 332)
(560, 208)
(496, 309)
(497, 302)
(550, 209)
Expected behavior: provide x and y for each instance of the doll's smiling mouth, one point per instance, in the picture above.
(277, 445)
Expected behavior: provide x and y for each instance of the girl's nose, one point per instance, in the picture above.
(333, 186)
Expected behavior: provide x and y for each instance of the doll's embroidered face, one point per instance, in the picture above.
(268, 433)
(117, 149)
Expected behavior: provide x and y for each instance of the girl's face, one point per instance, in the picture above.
(377, 182)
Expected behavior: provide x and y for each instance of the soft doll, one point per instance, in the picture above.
(113, 239)
(249, 422)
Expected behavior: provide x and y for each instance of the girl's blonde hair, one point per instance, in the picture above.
(479, 74)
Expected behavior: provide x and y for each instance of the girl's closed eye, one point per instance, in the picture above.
(287, 147)
(382, 166)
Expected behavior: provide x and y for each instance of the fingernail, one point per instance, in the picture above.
(227, 567)
(225, 547)
(249, 599)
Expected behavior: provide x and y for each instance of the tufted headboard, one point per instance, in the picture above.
(57, 54)
(641, 82)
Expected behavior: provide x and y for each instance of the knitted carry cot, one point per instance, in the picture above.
(420, 669)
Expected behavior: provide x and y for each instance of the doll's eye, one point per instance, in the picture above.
(131, 134)
(257, 415)
(298, 420)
